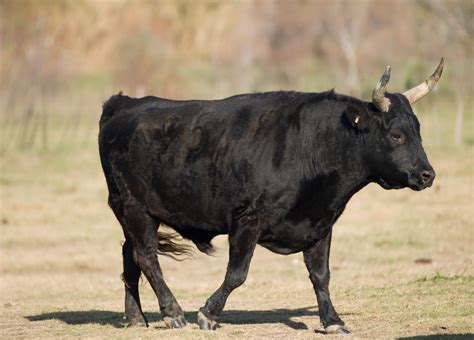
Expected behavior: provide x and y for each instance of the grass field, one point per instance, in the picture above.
(402, 262)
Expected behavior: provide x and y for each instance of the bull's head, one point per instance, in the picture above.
(399, 159)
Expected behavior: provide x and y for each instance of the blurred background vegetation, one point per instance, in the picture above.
(408, 256)
(60, 59)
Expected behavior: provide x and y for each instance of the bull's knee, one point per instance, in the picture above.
(235, 280)
(321, 280)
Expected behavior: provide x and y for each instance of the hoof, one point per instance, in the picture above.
(205, 322)
(137, 321)
(178, 322)
(136, 324)
(337, 329)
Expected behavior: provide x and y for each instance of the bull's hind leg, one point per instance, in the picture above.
(242, 241)
(131, 271)
(144, 233)
(131, 276)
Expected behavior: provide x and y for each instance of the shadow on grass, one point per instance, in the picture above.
(99, 317)
(440, 337)
(235, 317)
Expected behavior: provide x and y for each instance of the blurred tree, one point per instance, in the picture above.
(453, 25)
(211, 48)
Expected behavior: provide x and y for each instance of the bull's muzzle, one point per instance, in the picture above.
(423, 179)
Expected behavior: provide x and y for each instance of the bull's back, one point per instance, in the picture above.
(191, 162)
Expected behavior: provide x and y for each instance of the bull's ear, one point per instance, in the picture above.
(356, 118)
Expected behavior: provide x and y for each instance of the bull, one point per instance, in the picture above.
(275, 169)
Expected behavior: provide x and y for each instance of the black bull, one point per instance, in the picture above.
(275, 169)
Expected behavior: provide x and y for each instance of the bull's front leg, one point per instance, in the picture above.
(316, 259)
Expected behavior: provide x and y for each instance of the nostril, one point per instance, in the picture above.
(427, 176)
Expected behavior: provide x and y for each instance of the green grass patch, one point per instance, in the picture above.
(439, 277)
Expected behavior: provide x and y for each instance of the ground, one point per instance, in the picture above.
(402, 261)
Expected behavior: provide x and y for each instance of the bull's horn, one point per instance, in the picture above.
(415, 94)
(378, 95)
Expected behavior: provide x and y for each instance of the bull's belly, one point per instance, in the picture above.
(289, 237)
(282, 247)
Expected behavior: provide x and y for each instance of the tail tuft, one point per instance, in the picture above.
(168, 245)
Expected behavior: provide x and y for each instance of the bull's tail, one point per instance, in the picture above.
(170, 244)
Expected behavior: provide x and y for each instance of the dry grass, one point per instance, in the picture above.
(61, 261)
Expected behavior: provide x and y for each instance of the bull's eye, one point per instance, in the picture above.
(397, 136)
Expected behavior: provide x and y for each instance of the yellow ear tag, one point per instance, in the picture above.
(356, 119)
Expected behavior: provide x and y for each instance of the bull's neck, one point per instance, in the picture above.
(338, 153)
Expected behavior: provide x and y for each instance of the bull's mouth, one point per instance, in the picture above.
(417, 187)
(407, 179)
(388, 186)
